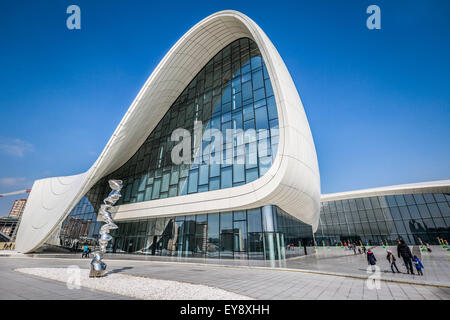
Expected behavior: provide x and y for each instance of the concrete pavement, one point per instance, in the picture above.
(258, 283)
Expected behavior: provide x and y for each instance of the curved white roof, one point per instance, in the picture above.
(440, 186)
(292, 183)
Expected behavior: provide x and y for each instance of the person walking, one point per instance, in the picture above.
(354, 248)
(428, 247)
(404, 252)
(371, 259)
(418, 264)
(88, 252)
(391, 258)
(85, 251)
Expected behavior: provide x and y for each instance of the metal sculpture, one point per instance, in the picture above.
(98, 267)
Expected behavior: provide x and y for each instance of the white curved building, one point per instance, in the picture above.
(226, 73)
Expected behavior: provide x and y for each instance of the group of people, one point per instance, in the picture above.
(86, 251)
(353, 246)
(404, 252)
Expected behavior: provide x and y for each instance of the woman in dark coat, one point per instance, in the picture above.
(404, 252)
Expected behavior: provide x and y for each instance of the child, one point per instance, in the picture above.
(418, 264)
(390, 257)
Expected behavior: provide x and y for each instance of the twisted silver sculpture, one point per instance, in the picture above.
(98, 267)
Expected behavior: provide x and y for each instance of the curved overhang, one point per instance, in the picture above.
(440, 186)
(292, 183)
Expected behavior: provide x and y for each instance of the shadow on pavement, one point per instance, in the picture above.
(118, 270)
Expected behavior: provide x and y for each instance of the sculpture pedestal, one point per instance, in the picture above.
(97, 270)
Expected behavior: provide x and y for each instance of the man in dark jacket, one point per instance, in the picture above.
(404, 252)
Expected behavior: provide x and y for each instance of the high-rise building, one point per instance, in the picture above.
(17, 208)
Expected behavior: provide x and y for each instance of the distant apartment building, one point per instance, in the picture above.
(17, 208)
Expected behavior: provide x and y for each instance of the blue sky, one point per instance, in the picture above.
(378, 101)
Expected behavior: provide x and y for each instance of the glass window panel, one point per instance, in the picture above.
(428, 223)
(227, 177)
(261, 121)
(374, 202)
(391, 201)
(251, 175)
(414, 211)
(439, 222)
(269, 90)
(174, 177)
(367, 203)
(165, 182)
(404, 212)
(257, 79)
(173, 191)
(379, 216)
(346, 205)
(383, 202)
(142, 183)
(240, 236)
(409, 199)
(182, 186)
(434, 210)
(352, 203)
(247, 93)
(419, 198)
(395, 212)
(400, 200)
(428, 198)
(213, 236)
(239, 215)
(363, 216)
(238, 173)
(203, 174)
(256, 248)
(360, 204)
(254, 220)
(259, 94)
(264, 165)
(424, 212)
(339, 206)
(439, 197)
(256, 62)
(156, 187)
(400, 226)
(193, 181)
(445, 210)
(226, 235)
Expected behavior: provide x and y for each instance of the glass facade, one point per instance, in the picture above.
(265, 233)
(232, 94)
(269, 233)
(376, 220)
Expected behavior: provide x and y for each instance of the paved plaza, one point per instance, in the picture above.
(303, 278)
